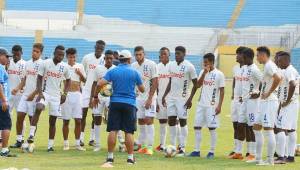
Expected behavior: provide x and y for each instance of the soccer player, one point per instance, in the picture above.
(182, 73)
(236, 95)
(71, 109)
(100, 103)
(28, 85)
(268, 107)
(56, 71)
(122, 110)
(116, 60)
(146, 102)
(251, 78)
(15, 72)
(90, 62)
(5, 118)
(286, 122)
(209, 106)
(163, 80)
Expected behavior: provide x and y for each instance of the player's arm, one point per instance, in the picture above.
(276, 81)
(232, 87)
(292, 87)
(19, 87)
(201, 79)
(166, 92)
(151, 92)
(141, 88)
(81, 75)
(188, 103)
(4, 104)
(39, 89)
(219, 107)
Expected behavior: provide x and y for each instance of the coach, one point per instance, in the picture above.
(122, 109)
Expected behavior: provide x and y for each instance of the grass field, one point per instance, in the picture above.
(74, 160)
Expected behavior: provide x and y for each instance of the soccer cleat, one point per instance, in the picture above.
(137, 147)
(279, 160)
(247, 154)
(181, 152)
(92, 143)
(30, 140)
(142, 150)
(290, 159)
(148, 151)
(250, 157)
(237, 156)
(97, 149)
(131, 161)
(50, 149)
(109, 160)
(231, 153)
(80, 148)
(265, 163)
(210, 155)
(66, 147)
(159, 148)
(18, 144)
(7, 154)
(194, 154)
(81, 143)
(254, 161)
(276, 155)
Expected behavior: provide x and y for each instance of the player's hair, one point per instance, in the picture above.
(124, 60)
(264, 49)
(100, 42)
(283, 53)
(139, 48)
(180, 48)
(39, 46)
(109, 52)
(116, 53)
(17, 48)
(210, 57)
(248, 53)
(240, 49)
(164, 48)
(59, 47)
(71, 51)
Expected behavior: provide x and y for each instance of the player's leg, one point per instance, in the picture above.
(83, 122)
(182, 115)
(52, 130)
(234, 117)
(40, 106)
(65, 130)
(241, 132)
(212, 124)
(163, 120)
(5, 126)
(149, 120)
(292, 133)
(92, 133)
(66, 109)
(142, 137)
(97, 125)
(19, 128)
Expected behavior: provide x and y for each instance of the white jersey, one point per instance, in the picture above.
(251, 78)
(269, 70)
(31, 73)
(181, 77)
(55, 75)
(15, 72)
(288, 74)
(90, 62)
(74, 76)
(148, 71)
(237, 75)
(163, 78)
(210, 92)
(100, 72)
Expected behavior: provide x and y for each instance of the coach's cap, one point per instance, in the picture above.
(3, 51)
(125, 54)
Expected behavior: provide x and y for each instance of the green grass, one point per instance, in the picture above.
(73, 160)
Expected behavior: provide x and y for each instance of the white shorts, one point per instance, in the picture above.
(103, 104)
(288, 117)
(53, 103)
(162, 114)
(25, 106)
(267, 113)
(235, 110)
(206, 117)
(249, 112)
(13, 102)
(175, 107)
(86, 97)
(142, 112)
(71, 109)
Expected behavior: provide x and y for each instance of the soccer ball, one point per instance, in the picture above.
(27, 148)
(106, 90)
(170, 151)
(298, 150)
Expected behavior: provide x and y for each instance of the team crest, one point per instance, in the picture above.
(182, 68)
(61, 69)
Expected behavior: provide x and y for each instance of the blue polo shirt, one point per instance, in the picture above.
(4, 82)
(124, 78)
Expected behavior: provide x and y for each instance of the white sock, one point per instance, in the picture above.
(173, 133)
(213, 140)
(142, 135)
(239, 146)
(178, 134)
(271, 145)
(50, 143)
(198, 138)
(130, 156)
(110, 155)
(97, 135)
(252, 148)
(280, 145)
(248, 147)
(184, 134)
(19, 138)
(163, 134)
(77, 142)
(3, 150)
(292, 143)
(66, 142)
(32, 130)
(150, 135)
(24, 128)
(82, 136)
(286, 152)
(259, 138)
(92, 135)
(235, 145)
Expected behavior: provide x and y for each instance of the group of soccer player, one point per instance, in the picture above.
(260, 100)
(265, 100)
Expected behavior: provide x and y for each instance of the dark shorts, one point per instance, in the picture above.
(5, 120)
(121, 116)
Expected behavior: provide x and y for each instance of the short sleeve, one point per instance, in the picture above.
(154, 71)
(23, 70)
(138, 79)
(2, 78)
(271, 69)
(96, 72)
(200, 74)
(290, 75)
(257, 75)
(82, 70)
(221, 80)
(84, 63)
(192, 71)
(107, 76)
(42, 68)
